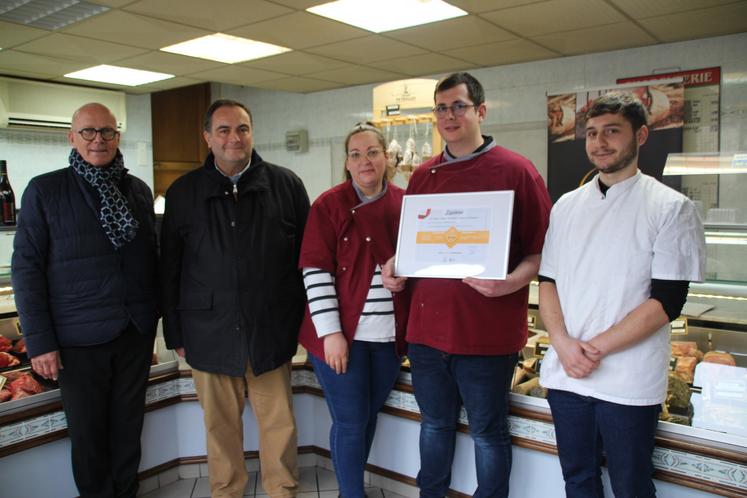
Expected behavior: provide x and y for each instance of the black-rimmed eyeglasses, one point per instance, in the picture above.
(457, 109)
(89, 134)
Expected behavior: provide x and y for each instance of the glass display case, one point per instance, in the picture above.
(717, 184)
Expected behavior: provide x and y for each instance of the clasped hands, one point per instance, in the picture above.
(578, 358)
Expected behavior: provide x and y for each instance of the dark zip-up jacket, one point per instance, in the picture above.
(231, 288)
(72, 288)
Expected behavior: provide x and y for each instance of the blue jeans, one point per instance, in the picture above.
(585, 426)
(442, 383)
(354, 400)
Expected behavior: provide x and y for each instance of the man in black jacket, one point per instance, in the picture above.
(234, 299)
(84, 273)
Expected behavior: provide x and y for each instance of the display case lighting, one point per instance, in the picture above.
(706, 163)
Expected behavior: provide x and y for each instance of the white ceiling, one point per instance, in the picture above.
(328, 54)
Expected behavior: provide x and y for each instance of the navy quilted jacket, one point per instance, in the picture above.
(72, 288)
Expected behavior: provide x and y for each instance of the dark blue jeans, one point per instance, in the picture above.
(585, 426)
(442, 383)
(354, 400)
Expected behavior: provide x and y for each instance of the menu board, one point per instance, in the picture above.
(700, 132)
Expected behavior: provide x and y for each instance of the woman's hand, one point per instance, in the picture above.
(392, 283)
(336, 352)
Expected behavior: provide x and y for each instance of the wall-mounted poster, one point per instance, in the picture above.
(700, 132)
(567, 164)
(702, 100)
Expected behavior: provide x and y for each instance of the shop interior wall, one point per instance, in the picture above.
(516, 113)
(30, 153)
(516, 100)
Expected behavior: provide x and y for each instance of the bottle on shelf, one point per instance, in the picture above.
(7, 198)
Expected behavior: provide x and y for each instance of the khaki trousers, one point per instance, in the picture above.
(222, 399)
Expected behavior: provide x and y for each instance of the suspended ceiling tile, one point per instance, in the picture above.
(94, 84)
(299, 30)
(12, 34)
(134, 30)
(298, 85)
(220, 16)
(169, 63)
(425, 64)
(113, 3)
(237, 75)
(367, 49)
(500, 53)
(454, 33)
(554, 16)
(640, 9)
(20, 73)
(597, 39)
(296, 63)
(477, 6)
(300, 4)
(699, 23)
(158, 86)
(357, 75)
(18, 63)
(80, 49)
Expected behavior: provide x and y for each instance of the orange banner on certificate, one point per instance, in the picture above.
(452, 237)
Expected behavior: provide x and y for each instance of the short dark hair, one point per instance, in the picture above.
(207, 122)
(617, 102)
(474, 88)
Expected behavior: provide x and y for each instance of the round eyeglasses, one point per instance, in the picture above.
(89, 134)
(458, 109)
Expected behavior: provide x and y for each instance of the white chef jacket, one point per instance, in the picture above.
(602, 250)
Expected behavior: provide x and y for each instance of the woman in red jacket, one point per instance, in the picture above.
(354, 328)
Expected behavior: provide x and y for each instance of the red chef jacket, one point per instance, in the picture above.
(447, 314)
(348, 239)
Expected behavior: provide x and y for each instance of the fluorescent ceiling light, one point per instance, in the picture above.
(118, 75)
(225, 48)
(386, 15)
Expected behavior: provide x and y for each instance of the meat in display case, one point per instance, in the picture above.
(21, 388)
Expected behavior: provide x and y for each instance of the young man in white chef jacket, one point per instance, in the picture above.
(616, 265)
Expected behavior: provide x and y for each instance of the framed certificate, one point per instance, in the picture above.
(455, 235)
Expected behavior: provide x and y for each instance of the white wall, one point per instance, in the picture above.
(30, 153)
(516, 112)
(516, 99)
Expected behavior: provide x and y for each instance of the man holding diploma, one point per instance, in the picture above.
(464, 335)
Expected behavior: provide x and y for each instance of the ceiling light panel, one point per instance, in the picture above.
(48, 14)
(225, 48)
(387, 15)
(118, 75)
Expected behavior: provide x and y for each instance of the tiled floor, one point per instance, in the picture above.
(314, 482)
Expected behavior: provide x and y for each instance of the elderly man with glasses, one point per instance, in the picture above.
(464, 335)
(84, 274)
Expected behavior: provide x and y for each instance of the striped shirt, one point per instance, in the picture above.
(376, 323)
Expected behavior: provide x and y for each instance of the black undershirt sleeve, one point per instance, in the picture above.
(672, 295)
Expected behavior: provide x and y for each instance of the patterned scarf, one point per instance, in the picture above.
(115, 215)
